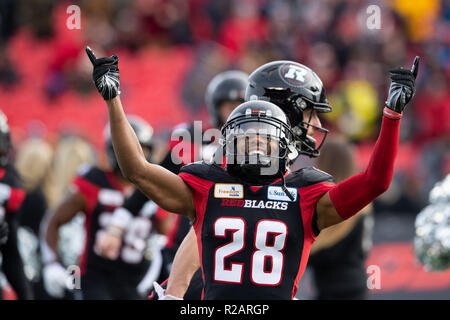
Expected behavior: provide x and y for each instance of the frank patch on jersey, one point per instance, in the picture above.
(226, 190)
(277, 193)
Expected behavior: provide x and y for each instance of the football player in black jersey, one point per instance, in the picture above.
(277, 82)
(302, 105)
(98, 193)
(254, 221)
(11, 198)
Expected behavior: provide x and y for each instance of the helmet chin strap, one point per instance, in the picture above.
(283, 186)
(252, 173)
(251, 169)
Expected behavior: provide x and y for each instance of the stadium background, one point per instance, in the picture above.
(169, 49)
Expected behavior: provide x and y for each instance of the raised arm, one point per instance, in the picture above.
(162, 186)
(351, 195)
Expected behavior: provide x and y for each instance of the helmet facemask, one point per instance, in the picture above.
(307, 144)
(257, 147)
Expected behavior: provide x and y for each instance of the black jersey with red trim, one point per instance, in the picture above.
(103, 194)
(253, 242)
(11, 198)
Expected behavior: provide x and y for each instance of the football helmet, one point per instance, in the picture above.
(5, 139)
(294, 88)
(226, 86)
(258, 142)
(144, 133)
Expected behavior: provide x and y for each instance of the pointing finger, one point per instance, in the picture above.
(91, 55)
(415, 66)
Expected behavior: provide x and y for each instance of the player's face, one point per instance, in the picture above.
(310, 115)
(253, 143)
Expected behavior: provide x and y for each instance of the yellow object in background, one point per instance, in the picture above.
(355, 109)
(420, 16)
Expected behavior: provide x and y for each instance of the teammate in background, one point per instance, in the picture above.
(247, 253)
(71, 152)
(97, 193)
(33, 161)
(12, 195)
(338, 256)
(47, 174)
(224, 92)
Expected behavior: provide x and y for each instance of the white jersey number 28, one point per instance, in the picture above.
(267, 259)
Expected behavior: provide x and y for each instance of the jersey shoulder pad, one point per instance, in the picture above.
(208, 171)
(199, 169)
(95, 176)
(310, 175)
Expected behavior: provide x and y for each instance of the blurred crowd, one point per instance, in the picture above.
(333, 37)
(170, 49)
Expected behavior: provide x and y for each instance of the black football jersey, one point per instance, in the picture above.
(253, 242)
(103, 194)
(11, 199)
(11, 192)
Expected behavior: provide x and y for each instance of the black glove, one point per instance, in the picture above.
(402, 87)
(4, 229)
(105, 75)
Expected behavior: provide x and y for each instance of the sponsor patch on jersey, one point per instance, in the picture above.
(277, 193)
(228, 190)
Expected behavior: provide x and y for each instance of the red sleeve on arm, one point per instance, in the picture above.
(356, 192)
(200, 191)
(89, 192)
(309, 196)
(161, 214)
(15, 200)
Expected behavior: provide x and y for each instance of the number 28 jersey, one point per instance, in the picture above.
(253, 242)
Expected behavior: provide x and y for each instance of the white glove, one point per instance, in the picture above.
(55, 279)
(161, 293)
